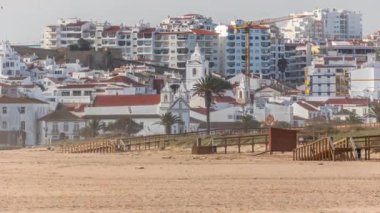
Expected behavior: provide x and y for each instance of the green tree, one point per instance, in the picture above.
(375, 110)
(168, 120)
(83, 45)
(354, 119)
(206, 88)
(249, 122)
(92, 128)
(124, 126)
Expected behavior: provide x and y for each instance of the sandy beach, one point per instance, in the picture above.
(37, 180)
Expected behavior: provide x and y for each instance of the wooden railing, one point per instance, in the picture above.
(104, 146)
(346, 149)
(239, 141)
(321, 149)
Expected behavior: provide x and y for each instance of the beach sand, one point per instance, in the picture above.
(38, 180)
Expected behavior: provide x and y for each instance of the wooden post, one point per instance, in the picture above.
(253, 143)
(225, 145)
(238, 144)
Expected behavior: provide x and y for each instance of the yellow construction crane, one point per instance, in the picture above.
(246, 26)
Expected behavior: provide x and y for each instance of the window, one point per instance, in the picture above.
(76, 128)
(5, 110)
(55, 128)
(165, 98)
(65, 93)
(77, 93)
(240, 94)
(230, 117)
(194, 71)
(4, 125)
(22, 110)
(87, 93)
(65, 127)
(22, 125)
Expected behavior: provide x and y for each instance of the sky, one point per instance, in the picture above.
(22, 21)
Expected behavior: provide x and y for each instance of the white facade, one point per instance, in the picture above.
(21, 114)
(11, 64)
(324, 24)
(329, 76)
(365, 82)
(196, 68)
(186, 23)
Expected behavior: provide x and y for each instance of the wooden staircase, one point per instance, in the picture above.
(326, 149)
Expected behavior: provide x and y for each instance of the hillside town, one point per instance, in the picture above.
(288, 71)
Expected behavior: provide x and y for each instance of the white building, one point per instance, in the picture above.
(11, 64)
(196, 68)
(233, 49)
(365, 82)
(329, 76)
(22, 114)
(187, 23)
(143, 109)
(173, 49)
(324, 24)
(60, 125)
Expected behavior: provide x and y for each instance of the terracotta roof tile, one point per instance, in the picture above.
(126, 100)
(348, 101)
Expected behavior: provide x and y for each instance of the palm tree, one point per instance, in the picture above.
(124, 126)
(375, 110)
(92, 128)
(249, 122)
(168, 120)
(206, 88)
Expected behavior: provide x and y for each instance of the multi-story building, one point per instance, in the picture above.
(186, 23)
(173, 49)
(21, 115)
(298, 56)
(329, 76)
(136, 42)
(11, 64)
(233, 49)
(359, 50)
(331, 24)
(67, 32)
(365, 82)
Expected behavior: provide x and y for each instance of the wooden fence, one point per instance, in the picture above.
(239, 141)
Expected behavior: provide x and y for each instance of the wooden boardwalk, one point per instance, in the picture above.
(346, 149)
(239, 141)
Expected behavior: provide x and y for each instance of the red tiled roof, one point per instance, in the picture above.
(75, 107)
(224, 99)
(148, 30)
(306, 106)
(315, 103)
(201, 110)
(124, 79)
(204, 32)
(348, 101)
(55, 80)
(126, 100)
(112, 29)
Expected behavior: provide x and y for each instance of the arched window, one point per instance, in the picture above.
(194, 71)
(165, 98)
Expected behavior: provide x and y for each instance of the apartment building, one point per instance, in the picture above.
(233, 53)
(186, 23)
(331, 24)
(173, 49)
(329, 76)
(359, 50)
(11, 64)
